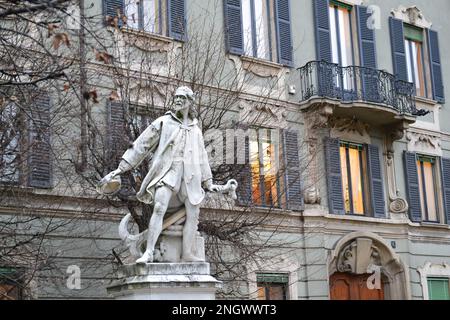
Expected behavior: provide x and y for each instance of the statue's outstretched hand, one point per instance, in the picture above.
(110, 183)
(211, 187)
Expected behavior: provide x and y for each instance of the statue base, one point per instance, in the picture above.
(164, 281)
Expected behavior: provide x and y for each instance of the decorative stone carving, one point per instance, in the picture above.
(262, 113)
(412, 15)
(146, 41)
(424, 143)
(350, 129)
(312, 196)
(398, 205)
(261, 68)
(357, 256)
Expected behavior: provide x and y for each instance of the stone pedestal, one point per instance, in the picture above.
(164, 281)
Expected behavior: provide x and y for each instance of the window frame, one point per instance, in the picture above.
(364, 177)
(431, 278)
(409, 52)
(266, 284)
(270, 25)
(423, 197)
(162, 17)
(336, 29)
(277, 202)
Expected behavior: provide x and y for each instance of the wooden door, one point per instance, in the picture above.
(345, 286)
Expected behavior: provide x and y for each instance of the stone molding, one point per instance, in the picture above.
(412, 15)
(427, 143)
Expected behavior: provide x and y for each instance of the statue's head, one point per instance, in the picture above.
(184, 99)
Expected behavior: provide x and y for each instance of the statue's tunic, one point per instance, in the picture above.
(179, 156)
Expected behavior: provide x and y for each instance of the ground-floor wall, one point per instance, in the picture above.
(410, 252)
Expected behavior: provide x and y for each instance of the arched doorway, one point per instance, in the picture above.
(363, 267)
(347, 286)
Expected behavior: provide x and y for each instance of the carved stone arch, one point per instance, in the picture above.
(357, 252)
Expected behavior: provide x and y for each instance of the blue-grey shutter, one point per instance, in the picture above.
(294, 194)
(412, 186)
(366, 39)
(40, 157)
(112, 7)
(376, 182)
(398, 49)
(436, 69)
(445, 170)
(367, 53)
(233, 27)
(243, 174)
(334, 177)
(322, 30)
(177, 19)
(284, 34)
(118, 140)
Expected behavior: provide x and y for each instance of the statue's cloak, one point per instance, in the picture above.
(160, 138)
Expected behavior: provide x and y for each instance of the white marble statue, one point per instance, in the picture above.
(178, 172)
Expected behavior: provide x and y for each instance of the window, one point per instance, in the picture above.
(264, 157)
(9, 144)
(256, 24)
(341, 33)
(415, 58)
(146, 15)
(272, 286)
(353, 183)
(341, 39)
(438, 288)
(10, 284)
(427, 186)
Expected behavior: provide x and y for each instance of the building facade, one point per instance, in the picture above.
(347, 99)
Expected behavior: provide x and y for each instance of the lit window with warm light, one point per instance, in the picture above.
(353, 174)
(264, 157)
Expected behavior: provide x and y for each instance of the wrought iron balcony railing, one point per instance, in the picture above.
(357, 84)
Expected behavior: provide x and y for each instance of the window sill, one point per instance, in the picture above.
(261, 67)
(427, 102)
(434, 225)
(146, 40)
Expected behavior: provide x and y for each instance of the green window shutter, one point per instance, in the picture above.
(272, 277)
(438, 289)
(413, 33)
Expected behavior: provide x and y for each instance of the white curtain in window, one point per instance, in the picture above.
(247, 27)
(132, 13)
(151, 15)
(262, 29)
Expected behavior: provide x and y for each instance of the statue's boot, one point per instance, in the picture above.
(147, 257)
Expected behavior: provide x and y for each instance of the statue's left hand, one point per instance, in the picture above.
(211, 187)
